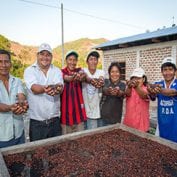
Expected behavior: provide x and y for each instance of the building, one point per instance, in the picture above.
(145, 50)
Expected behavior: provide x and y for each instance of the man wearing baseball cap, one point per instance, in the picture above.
(73, 113)
(44, 84)
(167, 100)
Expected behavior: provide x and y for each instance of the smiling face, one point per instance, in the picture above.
(44, 59)
(5, 65)
(92, 63)
(114, 74)
(71, 62)
(168, 73)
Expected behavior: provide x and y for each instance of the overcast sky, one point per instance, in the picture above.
(27, 22)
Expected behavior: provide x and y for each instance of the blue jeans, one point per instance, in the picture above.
(94, 123)
(13, 141)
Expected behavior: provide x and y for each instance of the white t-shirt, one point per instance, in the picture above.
(92, 95)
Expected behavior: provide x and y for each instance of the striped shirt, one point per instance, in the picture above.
(72, 104)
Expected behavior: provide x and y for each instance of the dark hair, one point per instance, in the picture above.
(5, 52)
(94, 54)
(116, 64)
(168, 64)
(145, 80)
(72, 52)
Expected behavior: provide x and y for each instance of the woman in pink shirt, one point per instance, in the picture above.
(137, 101)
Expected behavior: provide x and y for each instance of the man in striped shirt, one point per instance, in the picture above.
(73, 112)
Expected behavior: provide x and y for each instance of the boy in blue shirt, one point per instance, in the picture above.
(166, 92)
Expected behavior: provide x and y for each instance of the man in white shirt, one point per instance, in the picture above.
(92, 91)
(12, 104)
(44, 84)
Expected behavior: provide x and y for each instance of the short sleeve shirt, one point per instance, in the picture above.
(92, 95)
(11, 125)
(42, 106)
(167, 113)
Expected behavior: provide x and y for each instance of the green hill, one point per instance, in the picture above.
(82, 46)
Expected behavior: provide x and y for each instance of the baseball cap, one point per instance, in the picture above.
(94, 53)
(138, 72)
(46, 47)
(168, 60)
(72, 52)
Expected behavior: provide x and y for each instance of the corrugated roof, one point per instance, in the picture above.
(140, 37)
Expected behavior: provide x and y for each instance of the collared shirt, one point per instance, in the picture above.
(11, 125)
(42, 106)
(73, 109)
(92, 95)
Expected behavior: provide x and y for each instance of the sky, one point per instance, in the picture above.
(32, 22)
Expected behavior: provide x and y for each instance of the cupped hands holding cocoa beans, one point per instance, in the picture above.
(53, 89)
(132, 83)
(97, 82)
(154, 88)
(115, 91)
(19, 107)
(79, 76)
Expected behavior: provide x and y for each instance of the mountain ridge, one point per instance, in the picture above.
(27, 53)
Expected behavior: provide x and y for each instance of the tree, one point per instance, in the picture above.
(4, 43)
(24, 56)
(17, 68)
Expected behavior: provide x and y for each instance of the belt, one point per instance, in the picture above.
(47, 121)
(51, 120)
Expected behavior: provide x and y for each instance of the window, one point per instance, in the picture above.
(122, 64)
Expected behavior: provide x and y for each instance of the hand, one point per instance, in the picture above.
(94, 82)
(129, 83)
(76, 76)
(132, 83)
(82, 76)
(53, 89)
(25, 106)
(16, 108)
(58, 88)
(98, 83)
(115, 91)
(112, 91)
(135, 83)
(119, 92)
(50, 90)
(154, 88)
(22, 104)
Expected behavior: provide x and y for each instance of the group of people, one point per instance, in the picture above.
(74, 99)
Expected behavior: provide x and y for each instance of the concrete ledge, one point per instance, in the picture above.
(3, 169)
(55, 140)
(50, 141)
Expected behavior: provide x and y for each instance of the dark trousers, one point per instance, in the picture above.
(44, 129)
